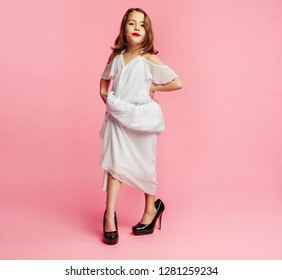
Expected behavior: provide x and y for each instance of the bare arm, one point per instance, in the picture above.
(173, 85)
(104, 87)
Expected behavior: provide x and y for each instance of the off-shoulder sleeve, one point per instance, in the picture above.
(110, 70)
(159, 74)
(106, 75)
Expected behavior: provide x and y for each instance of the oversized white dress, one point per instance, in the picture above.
(132, 122)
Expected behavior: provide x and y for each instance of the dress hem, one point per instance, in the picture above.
(115, 176)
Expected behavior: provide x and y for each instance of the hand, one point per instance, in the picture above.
(153, 97)
(152, 87)
(152, 92)
(104, 96)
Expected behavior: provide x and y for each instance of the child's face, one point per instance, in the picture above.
(135, 32)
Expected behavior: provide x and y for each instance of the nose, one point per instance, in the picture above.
(137, 27)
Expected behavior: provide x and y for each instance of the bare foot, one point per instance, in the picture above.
(148, 216)
(110, 223)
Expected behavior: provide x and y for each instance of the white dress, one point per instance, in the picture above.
(132, 122)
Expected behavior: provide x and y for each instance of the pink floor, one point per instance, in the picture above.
(209, 224)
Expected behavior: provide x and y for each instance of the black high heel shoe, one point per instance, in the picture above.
(110, 237)
(142, 229)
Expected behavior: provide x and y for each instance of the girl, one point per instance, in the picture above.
(133, 120)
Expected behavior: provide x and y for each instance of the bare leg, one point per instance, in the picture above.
(150, 209)
(113, 190)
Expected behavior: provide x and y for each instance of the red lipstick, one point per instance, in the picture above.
(136, 34)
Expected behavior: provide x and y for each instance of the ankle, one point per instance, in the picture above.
(150, 211)
(109, 213)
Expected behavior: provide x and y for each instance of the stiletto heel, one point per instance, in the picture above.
(141, 229)
(160, 221)
(110, 237)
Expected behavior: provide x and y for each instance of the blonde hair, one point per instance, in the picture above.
(148, 45)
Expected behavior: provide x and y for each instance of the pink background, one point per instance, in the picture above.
(219, 161)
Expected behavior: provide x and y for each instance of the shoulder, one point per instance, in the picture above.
(111, 57)
(153, 58)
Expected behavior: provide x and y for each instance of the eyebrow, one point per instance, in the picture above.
(134, 20)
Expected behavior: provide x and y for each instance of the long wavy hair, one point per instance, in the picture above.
(148, 44)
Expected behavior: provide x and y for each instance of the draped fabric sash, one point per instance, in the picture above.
(146, 118)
